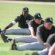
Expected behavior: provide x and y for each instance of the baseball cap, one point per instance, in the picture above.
(49, 19)
(37, 16)
(25, 9)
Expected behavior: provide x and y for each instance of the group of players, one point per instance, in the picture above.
(42, 33)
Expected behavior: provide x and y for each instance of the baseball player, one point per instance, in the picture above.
(22, 21)
(37, 20)
(43, 32)
(32, 27)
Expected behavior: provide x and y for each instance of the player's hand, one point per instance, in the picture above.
(34, 37)
(3, 31)
(46, 45)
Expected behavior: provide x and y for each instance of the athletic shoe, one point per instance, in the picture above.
(14, 47)
(5, 38)
(9, 39)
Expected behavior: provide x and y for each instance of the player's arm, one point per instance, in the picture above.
(39, 35)
(32, 32)
(11, 24)
(52, 50)
(31, 28)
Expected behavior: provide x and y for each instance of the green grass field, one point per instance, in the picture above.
(9, 11)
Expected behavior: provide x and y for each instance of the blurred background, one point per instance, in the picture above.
(31, 0)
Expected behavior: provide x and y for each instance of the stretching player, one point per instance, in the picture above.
(43, 32)
(32, 26)
(22, 21)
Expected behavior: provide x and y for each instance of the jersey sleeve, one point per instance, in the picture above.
(40, 34)
(30, 17)
(31, 24)
(39, 31)
(17, 19)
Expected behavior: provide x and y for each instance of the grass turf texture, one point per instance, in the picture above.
(8, 12)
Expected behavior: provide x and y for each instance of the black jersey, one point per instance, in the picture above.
(44, 33)
(35, 25)
(22, 20)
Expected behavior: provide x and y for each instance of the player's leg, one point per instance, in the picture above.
(18, 31)
(26, 39)
(43, 52)
(30, 46)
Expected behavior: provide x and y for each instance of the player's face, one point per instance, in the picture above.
(25, 13)
(48, 25)
(38, 21)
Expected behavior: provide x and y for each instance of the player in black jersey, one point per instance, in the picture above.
(43, 32)
(32, 26)
(22, 21)
(35, 23)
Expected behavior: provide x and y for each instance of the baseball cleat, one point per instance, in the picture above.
(14, 46)
(5, 38)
